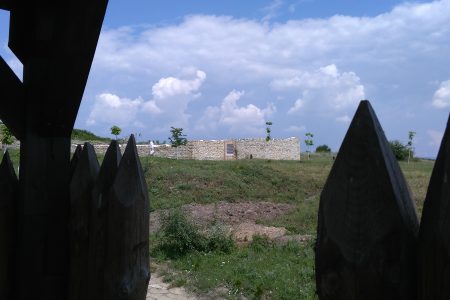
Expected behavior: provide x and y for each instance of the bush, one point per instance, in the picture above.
(400, 151)
(178, 237)
(219, 240)
(323, 149)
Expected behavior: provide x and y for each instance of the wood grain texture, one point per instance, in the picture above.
(434, 234)
(127, 259)
(367, 223)
(8, 207)
(81, 186)
(99, 221)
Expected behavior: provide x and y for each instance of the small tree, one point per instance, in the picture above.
(116, 130)
(178, 138)
(7, 137)
(309, 142)
(399, 150)
(323, 149)
(268, 130)
(411, 135)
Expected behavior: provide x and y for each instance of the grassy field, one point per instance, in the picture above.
(261, 270)
(270, 271)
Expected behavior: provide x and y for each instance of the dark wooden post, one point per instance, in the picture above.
(8, 206)
(367, 227)
(99, 221)
(81, 198)
(55, 41)
(434, 235)
(127, 257)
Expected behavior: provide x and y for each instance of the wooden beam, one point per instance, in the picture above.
(11, 100)
(5, 4)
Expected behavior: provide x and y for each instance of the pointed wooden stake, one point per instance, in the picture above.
(75, 159)
(367, 223)
(8, 218)
(434, 236)
(127, 259)
(82, 183)
(99, 206)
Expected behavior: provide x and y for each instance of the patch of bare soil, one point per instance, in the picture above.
(239, 218)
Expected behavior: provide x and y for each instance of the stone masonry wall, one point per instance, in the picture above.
(277, 149)
(283, 149)
(208, 150)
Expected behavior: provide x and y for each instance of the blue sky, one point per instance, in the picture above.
(221, 69)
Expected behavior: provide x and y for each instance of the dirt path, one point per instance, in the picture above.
(159, 290)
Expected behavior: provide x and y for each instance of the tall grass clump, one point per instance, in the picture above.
(178, 236)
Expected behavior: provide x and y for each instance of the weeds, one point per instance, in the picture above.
(178, 237)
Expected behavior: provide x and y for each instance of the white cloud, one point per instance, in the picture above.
(151, 107)
(110, 108)
(343, 119)
(272, 10)
(435, 137)
(237, 119)
(329, 63)
(326, 86)
(172, 86)
(441, 98)
(297, 106)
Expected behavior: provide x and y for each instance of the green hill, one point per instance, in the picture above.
(85, 135)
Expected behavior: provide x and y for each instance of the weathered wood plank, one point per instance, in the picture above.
(434, 234)
(367, 226)
(75, 158)
(81, 186)
(8, 207)
(127, 259)
(97, 230)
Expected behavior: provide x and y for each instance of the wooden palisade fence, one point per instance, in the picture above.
(108, 227)
(68, 230)
(368, 243)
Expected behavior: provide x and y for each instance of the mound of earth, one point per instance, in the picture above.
(238, 218)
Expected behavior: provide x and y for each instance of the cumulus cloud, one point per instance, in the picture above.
(237, 119)
(328, 63)
(110, 108)
(171, 97)
(441, 98)
(297, 105)
(172, 86)
(325, 86)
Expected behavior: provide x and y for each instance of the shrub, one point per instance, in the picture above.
(219, 240)
(178, 237)
(323, 149)
(400, 151)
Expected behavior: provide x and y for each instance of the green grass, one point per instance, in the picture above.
(269, 271)
(85, 135)
(261, 270)
(173, 183)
